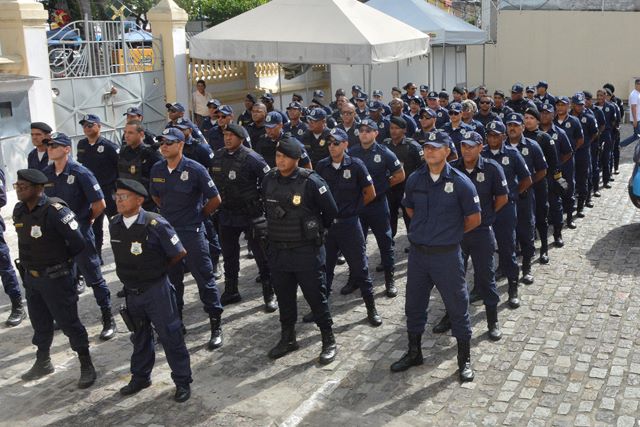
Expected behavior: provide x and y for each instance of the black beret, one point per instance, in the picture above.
(290, 147)
(533, 112)
(237, 130)
(398, 121)
(132, 185)
(609, 86)
(250, 97)
(33, 176)
(41, 126)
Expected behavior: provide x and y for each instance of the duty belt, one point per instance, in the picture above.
(435, 250)
(53, 272)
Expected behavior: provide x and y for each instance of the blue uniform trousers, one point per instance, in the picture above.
(394, 198)
(156, 308)
(555, 206)
(541, 190)
(198, 261)
(7, 273)
(569, 174)
(594, 181)
(445, 271)
(345, 235)
(504, 228)
(109, 211)
(54, 299)
(605, 157)
(479, 244)
(583, 172)
(376, 216)
(525, 230)
(230, 242)
(88, 263)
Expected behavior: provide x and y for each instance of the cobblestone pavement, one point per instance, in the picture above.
(569, 355)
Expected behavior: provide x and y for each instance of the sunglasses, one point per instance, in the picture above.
(454, 113)
(88, 125)
(485, 102)
(168, 142)
(335, 142)
(54, 145)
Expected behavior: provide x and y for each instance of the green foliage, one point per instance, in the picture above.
(218, 11)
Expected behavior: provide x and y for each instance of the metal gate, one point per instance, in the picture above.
(103, 68)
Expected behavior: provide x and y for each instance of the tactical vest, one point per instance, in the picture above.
(40, 246)
(137, 263)
(290, 222)
(132, 169)
(239, 193)
(317, 149)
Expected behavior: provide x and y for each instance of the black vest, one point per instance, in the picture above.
(239, 193)
(290, 221)
(137, 263)
(41, 246)
(132, 169)
(317, 148)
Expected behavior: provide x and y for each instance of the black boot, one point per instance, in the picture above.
(588, 203)
(329, 349)
(287, 343)
(413, 357)
(544, 249)
(17, 312)
(464, 361)
(87, 371)
(121, 293)
(182, 394)
(492, 322)
(108, 324)
(230, 294)
(443, 325)
(580, 209)
(270, 302)
(42, 367)
(570, 223)
(372, 314)
(379, 268)
(134, 386)
(527, 277)
(390, 283)
(513, 301)
(216, 332)
(350, 287)
(557, 236)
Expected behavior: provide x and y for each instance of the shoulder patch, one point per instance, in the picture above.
(322, 189)
(174, 239)
(57, 205)
(96, 187)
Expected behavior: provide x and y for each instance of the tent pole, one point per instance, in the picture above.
(444, 64)
(397, 73)
(370, 73)
(364, 80)
(280, 85)
(306, 82)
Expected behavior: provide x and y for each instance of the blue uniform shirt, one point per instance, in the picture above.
(456, 134)
(182, 191)
(76, 185)
(561, 141)
(33, 162)
(439, 208)
(490, 182)
(589, 127)
(514, 167)
(101, 159)
(442, 117)
(532, 154)
(412, 127)
(477, 126)
(198, 151)
(296, 131)
(346, 183)
(571, 126)
(161, 236)
(609, 115)
(380, 162)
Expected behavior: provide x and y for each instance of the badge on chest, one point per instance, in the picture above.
(184, 176)
(525, 151)
(377, 158)
(296, 200)
(71, 179)
(505, 161)
(36, 231)
(136, 248)
(100, 149)
(448, 187)
(132, 169)
(480, 177)
(346, 174)
(232, 175)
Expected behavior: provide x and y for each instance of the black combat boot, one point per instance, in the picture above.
(413, 357)
(287, 343)
(350, 287)
(372, 314)
(492, 322)
(588, 203)
(87, 371)
(17, 312)
(443, 325)
(42, 367)
(230, 294)
(544, 249)
(527, 277)
(183, 393)
(270, 302)
(329, 348)
(557, 236)
(513, 301)
(134, 386)
(580, 209)
(216, 332)
(390, 283)
(570, 222)
(464, 361)
(108, 324)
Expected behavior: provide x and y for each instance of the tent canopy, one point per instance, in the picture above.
(430, 19)
(311, 32)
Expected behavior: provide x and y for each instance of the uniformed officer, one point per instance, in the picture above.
(334, 104)
(484, 114)
(352, 188)
(442, 115)
(296, 127)
(396, 111)
(479, 244)
(469, 110)
(537, 165)
(176, 111)
(583, 153)
(499, 107)
(267, 100)
(78, 187)
(247, 115)
(349, 124)
(424, 92)
(135, 114)
(314, 138)
(410, 89)
(594, 181)
(458, 92)
(186, 195)
(428, 123)
(361, 105)
(238, 172)
(616, 131)
(518, 180)
(144, 246)
(48, 238)
(299, 208)
(377, 96)
(518, 103)
(215, 136)
(606, 137)
(415, 104)
(386, 171)
(443, 99)
(37, 158)
(376, 113)
(443, 205)
(542, 95)
(455, 128)
(256, 128)
(267, 143)
(100, 156)
(210, 122)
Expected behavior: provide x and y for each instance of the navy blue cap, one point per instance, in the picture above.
(514, 118)
(432, 95)
(455, 106)
(250, 97)
(548, 107)
(171, 134)
(496, 126)
(41, 126)
(317, 114)
(273, 119)
(443, 94)
(295, 105)
(377, 92)
(290, 147)
(543, 84)
(214, 102)
(428, 111)
(318, 93)
(368, 123)
(237, 130)
(398, 121)
(472, 138)
(499, 93)
(562, 99)
(531, 89)
(361, 96)
(133, 111)
(225, 110)
(297, 97)
(176, 106)
(587, 94)
(132, 185)
(424, 88)
(355, 88)
(58, 138)
(375, 105)
(437, 139)
(267, 97)
(459, 90)
(184, 123)
(90, 118)
(338, 134)
(418, 100)
(578, 98)
(33, 176)
(517, 88)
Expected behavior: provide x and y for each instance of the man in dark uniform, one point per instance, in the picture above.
(428, 125)
(238, 172)
(349, 124)
(37, 158)
(443, 99)
(442, 115)
(530, 92)
(135, 113)
(606, 137)
(386, 171)
(361, 106)
(377, 96)
(195, 149)
(542, 95)
(594, 181)
(518, 103)
(499, 107)
(210, 122)
(315, 137)
(100, 156)
(299, 208)
(443, 205)
(144, 246)
(469, 110)
(376, 113)
(424, 92)
(78, 187)
(246, 117)
(296, 127)
(396, 111)
(48, 238)
(352, 188)
(334, 104)
(616, 131)
(266, 145)
(456, 128)
(458, 92)
(215, 137)
(583, 153)
(479, 244)
(355, 90)
(186, 195)
(518, 180)
(175, 112)
(484, 114)
(256, 128)
(267, 100)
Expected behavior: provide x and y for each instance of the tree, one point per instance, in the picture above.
(218, 11)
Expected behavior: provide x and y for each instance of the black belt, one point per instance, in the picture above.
(435, 250)
(52, 272)
(293, 245)
(348, 219)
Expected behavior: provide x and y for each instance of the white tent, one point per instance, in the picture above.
(311, 32)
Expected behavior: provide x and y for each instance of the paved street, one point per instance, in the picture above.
(570, 355)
